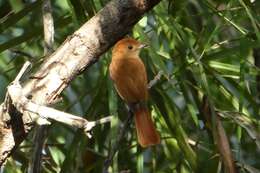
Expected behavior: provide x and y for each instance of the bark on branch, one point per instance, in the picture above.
(76, 54)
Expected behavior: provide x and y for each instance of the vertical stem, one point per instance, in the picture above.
(220, 138)
(256, 55)
(41, 131)
(39, 139)
(114, 123)
(48, 27)
(140, 161)
(115, 147)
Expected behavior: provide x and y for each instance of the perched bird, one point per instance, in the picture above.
(130, 79)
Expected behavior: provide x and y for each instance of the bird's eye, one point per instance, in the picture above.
(130, 47)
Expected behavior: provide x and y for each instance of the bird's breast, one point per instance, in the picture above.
(130, 79)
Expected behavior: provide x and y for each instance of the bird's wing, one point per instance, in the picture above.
(129, 76)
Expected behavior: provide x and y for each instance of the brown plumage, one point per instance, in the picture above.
(129, 75)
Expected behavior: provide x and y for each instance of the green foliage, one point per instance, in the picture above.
(203, 48)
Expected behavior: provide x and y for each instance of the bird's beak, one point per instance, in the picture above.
(143, 45)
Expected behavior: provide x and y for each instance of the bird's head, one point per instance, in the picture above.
(127, 47)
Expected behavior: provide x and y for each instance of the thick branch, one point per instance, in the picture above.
(44, 112)
(22, 104)
(75, 55)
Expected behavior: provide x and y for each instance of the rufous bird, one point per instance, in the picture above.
(130, 79)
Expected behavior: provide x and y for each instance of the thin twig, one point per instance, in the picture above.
(22, 53)
(22, 71)
(39, 139)
(92, 124)
(155, 79)
(88, 126)
(5, 116)
(115, 147)
(125, 127)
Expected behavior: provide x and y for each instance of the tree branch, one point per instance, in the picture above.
(22, 104)
(76, 54)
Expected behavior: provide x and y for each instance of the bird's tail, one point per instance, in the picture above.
(146, 132)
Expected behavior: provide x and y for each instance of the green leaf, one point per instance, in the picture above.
(78, 10)
(173, 120)
(13, 18)
(27, 36)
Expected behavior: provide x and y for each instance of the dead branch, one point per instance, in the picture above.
(22, 104)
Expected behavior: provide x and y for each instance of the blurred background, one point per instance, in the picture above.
(208, 53)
